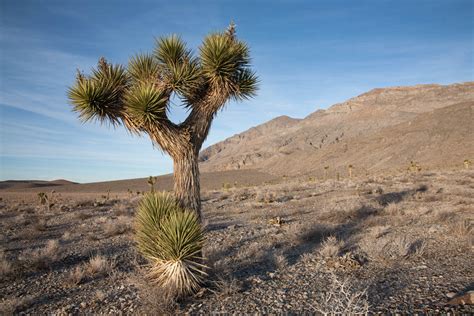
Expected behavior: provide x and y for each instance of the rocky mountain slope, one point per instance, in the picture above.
(383, 129)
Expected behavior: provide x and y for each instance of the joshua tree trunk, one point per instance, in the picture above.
(186, 180)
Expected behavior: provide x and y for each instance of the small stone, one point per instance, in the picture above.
(450, 294)
(83, 304)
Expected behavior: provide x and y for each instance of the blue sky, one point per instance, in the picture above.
(308, 55)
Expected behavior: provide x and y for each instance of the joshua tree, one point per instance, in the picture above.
(467, 163)
(138, 97)
(151, 182)
(350, 171)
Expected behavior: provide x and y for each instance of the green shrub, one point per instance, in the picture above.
(171, 239)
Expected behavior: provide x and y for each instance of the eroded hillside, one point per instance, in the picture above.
(383, 129)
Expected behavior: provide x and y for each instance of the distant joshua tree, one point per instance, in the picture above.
(139, 97)
(151, 182)
(326, 168)
(467, 163)
(414, 167)
(350, 170)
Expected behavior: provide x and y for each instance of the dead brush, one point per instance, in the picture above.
(156, 300)
(280, 262)
(41, 225)
(342, 298)
(117, 227)
(14, 305)
(5, 266)
(393, 209)
(43, 257)
(265, 197)
(463, 228)
(98, 265)
(226, 287)
(75, 276)
(331, 247)
(82, 215)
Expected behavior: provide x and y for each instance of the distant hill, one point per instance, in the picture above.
(383, 129)
(28, 184)
(209, 181)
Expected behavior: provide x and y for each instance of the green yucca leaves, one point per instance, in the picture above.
(245, 83)
(146, 103)
(139, 95)
(225, 64)
(171, 239)
(144, 68)
(171, 50)
(100, 96)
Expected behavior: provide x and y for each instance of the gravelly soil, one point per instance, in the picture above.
(407, 240)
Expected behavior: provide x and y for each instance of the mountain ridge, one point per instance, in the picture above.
(350, 122)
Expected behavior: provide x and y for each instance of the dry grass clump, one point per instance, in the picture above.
(379, 231)
(280, 262)
(417, 248)
(227, 287)
(155, 300)
(331, 247)
(122, 210)
(14, 305)
(385, 247)
(66, 236)
(41, 225)
(393, 209)
(98, 265)
(81, 215)
(43, 257)
(100, 295)
(265, 197)
(463, 228)
(117, 227)
(342, 298)
(5, 266)
(76, 276)
(400, 247)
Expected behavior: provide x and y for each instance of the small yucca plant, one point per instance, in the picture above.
(171, 239)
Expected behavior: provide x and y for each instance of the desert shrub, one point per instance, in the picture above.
(342, 298)
(118, 226)
(226, 186)
(43, 257)
(171, 239)
(41, 225)
(265, 197)
(5, 266)
(98, 265)
(14, 305)
(75, 276)
(227, 287)
(393, 209)
(83, 215)
(280, 262)
(331, 247)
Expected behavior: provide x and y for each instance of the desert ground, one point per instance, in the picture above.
(386, 243)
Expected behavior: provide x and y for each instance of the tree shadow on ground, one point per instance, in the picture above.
(397, 197)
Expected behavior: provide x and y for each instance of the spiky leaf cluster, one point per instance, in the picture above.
(139, 95)
(171, 239)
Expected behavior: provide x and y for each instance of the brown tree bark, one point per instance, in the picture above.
(186, 180)
(183, 143)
